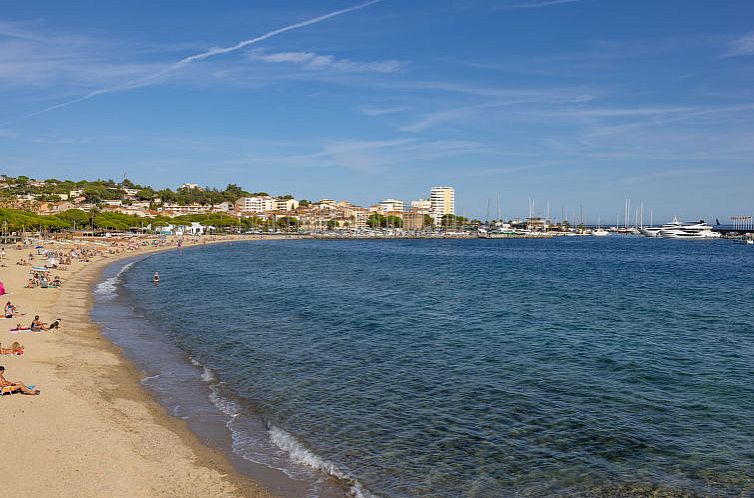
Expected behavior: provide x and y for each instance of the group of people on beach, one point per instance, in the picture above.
(11, 311)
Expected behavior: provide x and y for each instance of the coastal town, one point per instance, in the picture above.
(107, 205)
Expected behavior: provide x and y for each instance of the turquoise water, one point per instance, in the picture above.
(583, 366)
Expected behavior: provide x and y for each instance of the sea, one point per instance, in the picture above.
(574, 366)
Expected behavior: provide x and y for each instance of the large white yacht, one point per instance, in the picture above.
(694, 231)
(655, 231)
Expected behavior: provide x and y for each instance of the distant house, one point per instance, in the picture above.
(223, 207)
(197, 228)
(54, 207)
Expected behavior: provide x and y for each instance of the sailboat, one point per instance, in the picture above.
(600, 232)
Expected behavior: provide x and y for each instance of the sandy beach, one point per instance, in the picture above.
(93, 430)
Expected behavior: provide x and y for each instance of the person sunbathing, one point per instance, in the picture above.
(15, 349)
(37, 325)
(10, 310)
(12, 387)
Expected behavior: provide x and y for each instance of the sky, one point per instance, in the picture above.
(576, 104)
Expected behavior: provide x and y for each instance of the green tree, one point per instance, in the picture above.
(145, 194)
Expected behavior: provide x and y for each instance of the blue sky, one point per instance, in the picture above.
(575, 102)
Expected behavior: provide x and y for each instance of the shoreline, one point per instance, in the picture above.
(95, 430)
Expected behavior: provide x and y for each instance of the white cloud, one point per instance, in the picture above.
(380, 111)
(742, 46)
(538, 5)
(312, 60)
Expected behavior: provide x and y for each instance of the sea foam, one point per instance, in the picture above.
(107, 287)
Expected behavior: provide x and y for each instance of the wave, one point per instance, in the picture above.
(298, 453)
(248, 445)
(208, 376)
(274, 447)
(107, 287)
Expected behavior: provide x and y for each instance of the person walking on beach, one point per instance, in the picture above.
(14, 386)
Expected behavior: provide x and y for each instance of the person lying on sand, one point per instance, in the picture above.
(37, 325)
(14, 386)
(16, 349)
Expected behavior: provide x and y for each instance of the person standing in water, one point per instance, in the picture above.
(156, 277)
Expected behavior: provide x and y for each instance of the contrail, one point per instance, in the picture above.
(203, 55)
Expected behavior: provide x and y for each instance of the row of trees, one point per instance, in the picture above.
(15, 220)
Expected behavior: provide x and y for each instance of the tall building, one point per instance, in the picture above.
(442, 201)
(390, 205)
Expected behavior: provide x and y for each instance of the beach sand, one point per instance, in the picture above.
(93, 431)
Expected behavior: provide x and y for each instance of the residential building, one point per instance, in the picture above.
(357, 215)
(223, 207)
(191, 186)
(286, 204)
(178, 210)
(389, 205)
(257, 204)
(442, 202)
(413, 221)
(54, 207)
(422, 206)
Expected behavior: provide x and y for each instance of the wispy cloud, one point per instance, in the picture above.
(22, 30)
(742, 46)
(380, 111)
(675, 173)
(7, 133)
(314, 61)
(160, 75)
(538, 5)
(459, 114)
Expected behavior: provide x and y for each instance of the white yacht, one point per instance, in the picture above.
(655, 231)
(691, 231)
(600, 232)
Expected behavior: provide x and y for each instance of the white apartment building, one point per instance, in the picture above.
(442, 201)
(421, 206)
(392, 205)
(178, 210)
(259, 204)
(191, 186)
(286, 204)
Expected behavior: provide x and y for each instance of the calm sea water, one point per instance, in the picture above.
(580, 366)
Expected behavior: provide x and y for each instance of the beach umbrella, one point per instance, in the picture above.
(39, 247)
